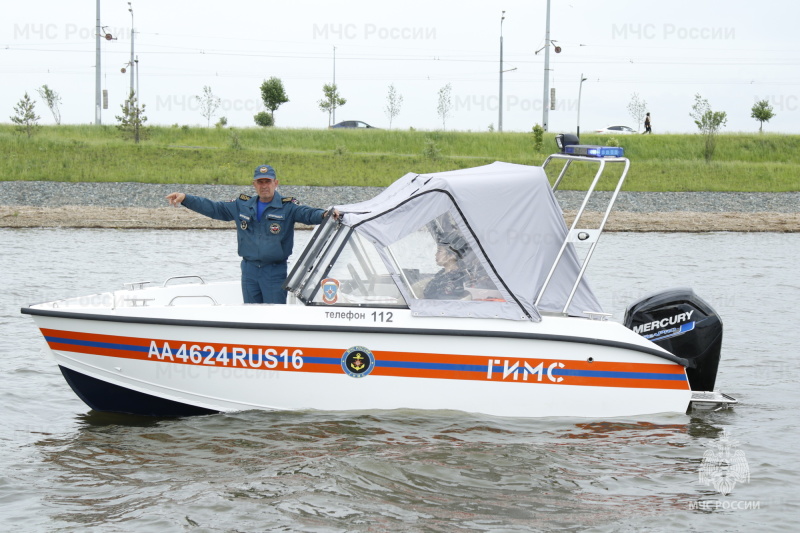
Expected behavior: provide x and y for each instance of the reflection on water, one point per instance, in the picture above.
(65, 467)
(450, 471)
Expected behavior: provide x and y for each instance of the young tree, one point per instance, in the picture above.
(26, 118)
(331, 101)
(208, 104)
(273, 95)
(762, 112)
(637, 108)
(445, 103)
(394, 102)
(538, 137)
(52, 99)
(132, 120)
(708, 122)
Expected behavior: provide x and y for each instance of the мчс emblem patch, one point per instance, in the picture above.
(330, 290)
(358, 362)
(275, 228)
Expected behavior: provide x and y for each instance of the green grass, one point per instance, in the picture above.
(742, 162)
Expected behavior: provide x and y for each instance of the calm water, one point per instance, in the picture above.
(66, 468)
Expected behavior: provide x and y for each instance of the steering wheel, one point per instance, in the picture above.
(357, 279)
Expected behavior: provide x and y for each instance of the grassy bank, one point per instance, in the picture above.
(769, 163)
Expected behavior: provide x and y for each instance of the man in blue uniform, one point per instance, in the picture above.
(265, 232)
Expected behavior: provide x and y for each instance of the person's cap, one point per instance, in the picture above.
(454, 242)
(264, 171)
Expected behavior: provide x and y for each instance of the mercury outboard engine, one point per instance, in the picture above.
(685, 325)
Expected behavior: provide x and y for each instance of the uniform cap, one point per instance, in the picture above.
(264, 171)
(454, 242)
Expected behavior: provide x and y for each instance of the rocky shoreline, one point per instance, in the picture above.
(129, 205)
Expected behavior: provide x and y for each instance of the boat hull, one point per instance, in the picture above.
(157, 366)
(105, 396)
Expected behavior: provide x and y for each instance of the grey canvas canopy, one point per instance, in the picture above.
(508, 216)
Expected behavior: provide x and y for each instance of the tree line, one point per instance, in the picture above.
(273, 94)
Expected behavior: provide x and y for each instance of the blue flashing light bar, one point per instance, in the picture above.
(594, 151)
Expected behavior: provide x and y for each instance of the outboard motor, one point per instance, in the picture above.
(685, 325)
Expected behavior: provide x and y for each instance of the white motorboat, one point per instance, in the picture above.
(514, 328)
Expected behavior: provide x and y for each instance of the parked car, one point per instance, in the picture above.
(353, 124)
(618, 130)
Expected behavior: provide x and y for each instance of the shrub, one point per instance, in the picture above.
(264, 119)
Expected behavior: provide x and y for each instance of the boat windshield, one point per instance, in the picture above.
(357, 275)
(435, 262)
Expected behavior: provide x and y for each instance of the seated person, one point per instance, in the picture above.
(448, 283)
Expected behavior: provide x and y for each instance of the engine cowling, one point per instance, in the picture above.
(684, 324)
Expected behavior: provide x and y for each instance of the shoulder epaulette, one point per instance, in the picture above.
(292, 199)
(244, 197)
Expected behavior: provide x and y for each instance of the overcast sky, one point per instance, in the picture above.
(732, 53)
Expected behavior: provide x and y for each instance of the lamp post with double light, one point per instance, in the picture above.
(545, 97)
(97, 83)
(132, 63)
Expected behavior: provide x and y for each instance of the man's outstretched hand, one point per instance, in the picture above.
(176, 198)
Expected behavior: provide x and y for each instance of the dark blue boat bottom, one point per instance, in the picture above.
(103, 396)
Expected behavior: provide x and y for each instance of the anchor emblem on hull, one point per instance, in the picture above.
(358, 362)
(358, 365)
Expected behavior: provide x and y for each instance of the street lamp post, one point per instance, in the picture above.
(545, 96)
(500, 103)
(130, 8)
(580, 86)
(138, 105)
(97, 83)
